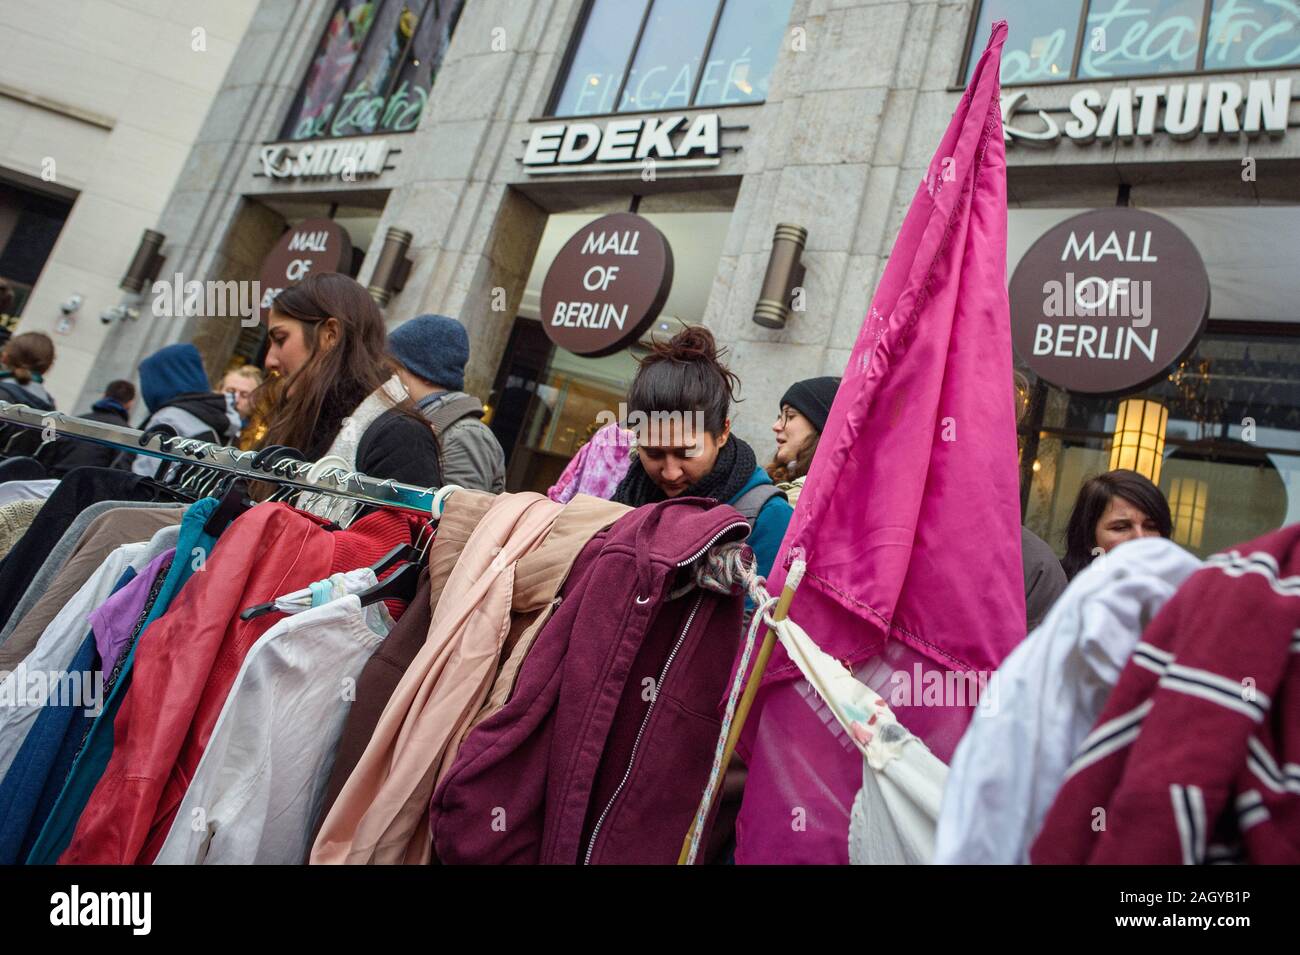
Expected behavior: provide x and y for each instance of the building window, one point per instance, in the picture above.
(373, 68)
(1100, 39)
(638, 55)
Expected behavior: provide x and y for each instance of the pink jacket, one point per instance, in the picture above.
(379, 816)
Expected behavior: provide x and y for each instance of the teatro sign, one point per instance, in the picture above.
(1106, 301)
(1180, 109)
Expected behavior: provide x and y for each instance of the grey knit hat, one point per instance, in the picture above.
(433, 347)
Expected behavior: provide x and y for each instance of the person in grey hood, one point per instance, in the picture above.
(175, 389)
(430, 352)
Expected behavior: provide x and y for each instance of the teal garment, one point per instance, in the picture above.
(770, 525)
(322, 592)
(193, 547)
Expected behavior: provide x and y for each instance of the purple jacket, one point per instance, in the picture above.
(602, 752)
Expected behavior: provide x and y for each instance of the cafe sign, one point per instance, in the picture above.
(607, 285)
(309, 248)
(1181, 110)
(1106, 301)
(348, 159)
(625, 144)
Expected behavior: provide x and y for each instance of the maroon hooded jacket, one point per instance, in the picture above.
(603, 750)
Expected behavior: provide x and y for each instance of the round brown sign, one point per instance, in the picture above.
(607, 285)
(1106, 301)
(312, 246)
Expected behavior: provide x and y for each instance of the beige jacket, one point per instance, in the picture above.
(497, 596)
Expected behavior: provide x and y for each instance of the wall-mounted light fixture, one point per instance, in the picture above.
(785, 272)
(146, 264)
(1139, 442)
(392, 268)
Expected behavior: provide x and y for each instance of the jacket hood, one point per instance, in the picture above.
(40, 398)
(212, 409)
(679, 530)
(171, 371)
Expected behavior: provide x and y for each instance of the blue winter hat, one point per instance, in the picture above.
(433, 347)
(171, 371)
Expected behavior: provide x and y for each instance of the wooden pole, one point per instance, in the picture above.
(742, 710)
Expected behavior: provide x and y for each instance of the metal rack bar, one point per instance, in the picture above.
(335, 482)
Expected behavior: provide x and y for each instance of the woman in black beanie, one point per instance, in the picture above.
(804, 409)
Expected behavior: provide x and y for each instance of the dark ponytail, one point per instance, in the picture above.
(686, 374)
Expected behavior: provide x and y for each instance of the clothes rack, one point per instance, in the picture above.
(335, 482)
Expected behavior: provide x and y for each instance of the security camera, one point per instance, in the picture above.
(71, 305)
(119, 312)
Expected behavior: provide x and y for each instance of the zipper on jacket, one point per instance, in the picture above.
(716, 537)
(631, 760)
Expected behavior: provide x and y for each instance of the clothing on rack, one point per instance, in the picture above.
(102, 537)
(59, 554)
(1195, 758)
(598, 467)
(24, 490)
(15, 518)
(256, 789)
(186, 661)
(601, 753)
(1046, 696)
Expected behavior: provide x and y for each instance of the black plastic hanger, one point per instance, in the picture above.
(400, 585)
(235, 500)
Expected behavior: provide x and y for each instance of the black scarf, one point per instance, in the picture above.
(731, 472)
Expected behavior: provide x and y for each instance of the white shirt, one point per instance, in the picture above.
(20, 699)
(11, 491)
(1044, 699)
(258, 787)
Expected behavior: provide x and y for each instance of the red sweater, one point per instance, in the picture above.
(1196, 757)
(189, 657)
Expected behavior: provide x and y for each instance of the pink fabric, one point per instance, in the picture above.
(597, 467)
(909, 521)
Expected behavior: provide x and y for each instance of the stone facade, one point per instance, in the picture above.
(861, 93)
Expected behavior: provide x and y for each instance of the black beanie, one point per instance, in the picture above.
(812, 398)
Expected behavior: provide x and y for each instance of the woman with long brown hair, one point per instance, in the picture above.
(338, 397)
(798, 428)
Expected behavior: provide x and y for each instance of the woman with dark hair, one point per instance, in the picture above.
(1112, 508)
(679, 405)
(798, 428)
(24, 360)
(338, 397)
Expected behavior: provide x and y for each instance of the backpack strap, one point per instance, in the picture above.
(449, 412)
(752, 501)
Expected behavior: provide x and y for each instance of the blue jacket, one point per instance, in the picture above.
(769, 529)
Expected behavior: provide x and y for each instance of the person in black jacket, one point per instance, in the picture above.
(24, 360)
(339, 398)
(61, 456)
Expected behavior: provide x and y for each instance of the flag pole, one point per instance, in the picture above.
(743, 707)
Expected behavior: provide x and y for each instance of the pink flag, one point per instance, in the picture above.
(910, 518)
(909, 522)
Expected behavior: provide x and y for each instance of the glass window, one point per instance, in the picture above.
(666, 62)
(739, 68)
(1231, 464)
(1253, 34)
(373, 68)
(1141, 37)
(601, 58)
(1040, 43)
(668, 57)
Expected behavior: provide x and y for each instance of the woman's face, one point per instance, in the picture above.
(287, 347)
(678, 456)
(792, 431)
(1122, 521)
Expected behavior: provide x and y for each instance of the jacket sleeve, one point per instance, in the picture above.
(402, 448)
(769, 530)
(472, 458)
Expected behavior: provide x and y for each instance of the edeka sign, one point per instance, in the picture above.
(607, 285)
(348, 160)
(1106, 301)
(1181, 110)
(670, 141)
(311, 247)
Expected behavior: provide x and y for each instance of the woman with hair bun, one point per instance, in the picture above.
(682, 395)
